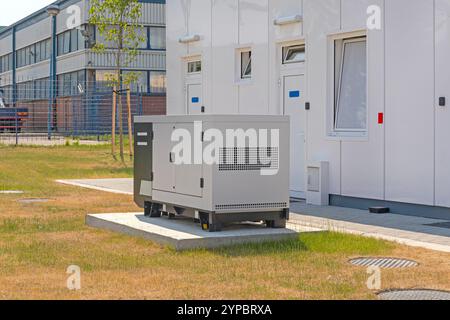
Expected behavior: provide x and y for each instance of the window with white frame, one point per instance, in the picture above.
(350, 85)
(194, 66)
(246, 64)
(294, 54)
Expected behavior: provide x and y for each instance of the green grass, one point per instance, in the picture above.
(34, 169)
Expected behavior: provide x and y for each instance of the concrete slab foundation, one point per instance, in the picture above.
(184, 234)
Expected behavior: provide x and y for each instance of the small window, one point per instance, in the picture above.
(350, 111)
(195, 66)
(246, 65)
(294, 54)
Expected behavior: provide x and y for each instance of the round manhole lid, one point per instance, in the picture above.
(384, 263)
(33, 200)
(414, 295)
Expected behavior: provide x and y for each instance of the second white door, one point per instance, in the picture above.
(294, 106)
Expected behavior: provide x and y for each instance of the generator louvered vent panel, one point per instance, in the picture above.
(252, 206)
(248, 159)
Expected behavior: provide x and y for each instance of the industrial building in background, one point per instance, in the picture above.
(49, 70)
(365, 82)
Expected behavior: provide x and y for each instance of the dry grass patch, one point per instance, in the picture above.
(39, 241)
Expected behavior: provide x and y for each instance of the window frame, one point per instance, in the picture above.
(243, 70)
(332, 133)
(197, 62)
(285, 51)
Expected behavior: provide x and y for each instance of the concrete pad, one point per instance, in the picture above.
(184, 234)
(118, 186)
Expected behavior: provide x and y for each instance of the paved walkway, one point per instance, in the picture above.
(408, 230)
(119, 186)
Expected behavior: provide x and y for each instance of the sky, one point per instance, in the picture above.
(14, 10)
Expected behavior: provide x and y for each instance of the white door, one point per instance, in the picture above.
(194, 98)
(294, 106)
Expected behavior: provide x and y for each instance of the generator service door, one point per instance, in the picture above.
(188, 175)
(294, 106)
(164, 170)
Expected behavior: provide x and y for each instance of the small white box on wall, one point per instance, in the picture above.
(317, 183)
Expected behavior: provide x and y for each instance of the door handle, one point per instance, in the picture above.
(171, 157)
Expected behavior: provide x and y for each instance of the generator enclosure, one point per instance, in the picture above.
(215, 168)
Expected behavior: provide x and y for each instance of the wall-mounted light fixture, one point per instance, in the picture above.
(189, 38)
(281, 21)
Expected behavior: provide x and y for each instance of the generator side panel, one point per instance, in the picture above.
(251, 185)
(143, 163)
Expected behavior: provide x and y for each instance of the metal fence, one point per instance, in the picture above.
(77, 111)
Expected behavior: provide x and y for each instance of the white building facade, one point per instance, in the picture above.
(366, 83)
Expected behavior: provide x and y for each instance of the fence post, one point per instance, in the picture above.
(16, 125)
(130, 130)
(113, 130)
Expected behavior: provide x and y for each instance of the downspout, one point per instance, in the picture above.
(52, 96)
(14, 66)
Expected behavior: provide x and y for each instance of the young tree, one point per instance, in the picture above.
(118, 25)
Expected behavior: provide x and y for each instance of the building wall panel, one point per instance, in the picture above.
(321, 19)
(410, 101)
(177, 27)
(363, 161)
(225, 36)
(442, 113)
(254, 33)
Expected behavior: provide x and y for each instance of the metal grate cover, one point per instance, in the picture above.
(414, 295)
(252, 206)
(385, 263)
(248, 159)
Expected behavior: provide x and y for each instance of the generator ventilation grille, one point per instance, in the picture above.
(277, 205)
(248, 159)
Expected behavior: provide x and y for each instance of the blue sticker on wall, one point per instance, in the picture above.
(195, 99)
(294, 94)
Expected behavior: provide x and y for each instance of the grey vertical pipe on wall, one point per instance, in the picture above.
(14, 88)
(52, 95)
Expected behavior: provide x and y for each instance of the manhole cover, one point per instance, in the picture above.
(35, 200)
(419, 294)
(385, 263)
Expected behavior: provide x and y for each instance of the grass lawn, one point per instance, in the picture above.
(39, 241)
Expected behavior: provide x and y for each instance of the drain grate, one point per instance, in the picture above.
(445, 225)
(385, 263)
(33, 200)
(414, 295)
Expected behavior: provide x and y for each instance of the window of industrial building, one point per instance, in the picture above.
(246, 64)
(71, 84)
(350, 88)
(157, 38)
(157, 82)
(194, 66)
(140, 81)
(6, 63)
(294, 54)
(70, 41)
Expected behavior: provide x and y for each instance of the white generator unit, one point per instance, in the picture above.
(216, 169)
